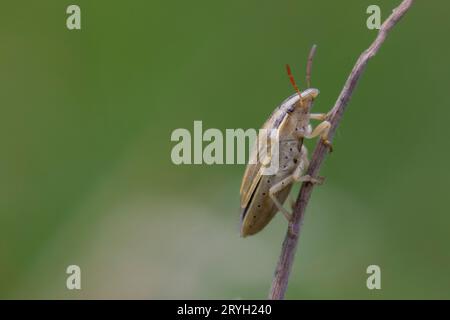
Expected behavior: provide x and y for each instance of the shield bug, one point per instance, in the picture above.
(263, 195)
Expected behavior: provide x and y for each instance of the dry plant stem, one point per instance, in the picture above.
(281, 276)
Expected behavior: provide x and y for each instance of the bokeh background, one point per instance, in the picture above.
(86, 176)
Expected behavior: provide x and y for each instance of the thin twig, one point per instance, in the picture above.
(284, 266)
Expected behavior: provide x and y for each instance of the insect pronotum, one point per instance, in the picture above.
(262, 196)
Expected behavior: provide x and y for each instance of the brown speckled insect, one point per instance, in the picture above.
(262, 196)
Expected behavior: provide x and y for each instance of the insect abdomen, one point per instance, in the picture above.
(261, 209)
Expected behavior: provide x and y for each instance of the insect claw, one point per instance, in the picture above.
(319, 180)
(308, 178)
(287, 215)
(328, 144)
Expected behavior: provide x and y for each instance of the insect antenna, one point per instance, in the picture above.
(291, 77)
(312, 52)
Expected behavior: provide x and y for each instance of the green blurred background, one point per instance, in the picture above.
(86, 176)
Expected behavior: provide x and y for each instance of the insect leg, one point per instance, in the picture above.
(266, 161)
(277, 188)
(318, 116)
(296, 176)
(322, 130)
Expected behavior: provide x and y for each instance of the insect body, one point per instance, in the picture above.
(262, 196)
